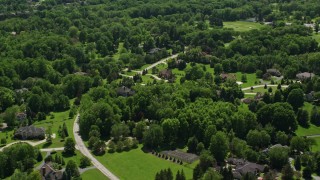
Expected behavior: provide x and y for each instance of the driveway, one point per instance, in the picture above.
(84, 150)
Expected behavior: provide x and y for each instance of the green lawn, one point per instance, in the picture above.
(117, 55)
(93, 174)
(316, 37)
(260, 89)
(147, 79)
(301, 131)
(242, 25)
(251, 79)
(138, 165)
(307, 106)
(317, 146)
(7, 133)
(58, 120)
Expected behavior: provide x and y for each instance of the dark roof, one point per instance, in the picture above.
(226, 76)
(274, 72)
(166, 74)
(48, 173)
(242, 167)
(30, 132)
(21, 116)
(124, 91)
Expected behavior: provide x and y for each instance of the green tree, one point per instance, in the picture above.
(84, 162)
(278, 157)
(139, 129)
(153, 137)
(192, 144)
(219, 146)
(119, 131)
(307, 173)
(297, 163)
(72, 170)
(69, 146)
(303, 117)
(296, 98)
(211, 174)
(287, 172)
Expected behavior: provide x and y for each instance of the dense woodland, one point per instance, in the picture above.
(53, 51)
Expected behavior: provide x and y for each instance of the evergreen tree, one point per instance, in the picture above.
(307, 173)
(287, 172)
(297, 163)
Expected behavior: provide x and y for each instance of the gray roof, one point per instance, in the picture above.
(30, 132)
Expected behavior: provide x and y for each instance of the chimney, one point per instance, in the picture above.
(43, 171)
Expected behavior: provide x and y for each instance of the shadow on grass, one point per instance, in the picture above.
(46, 145)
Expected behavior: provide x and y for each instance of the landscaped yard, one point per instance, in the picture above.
(138, 165)
(251, 80)
(93, 174)
(261, 89)
(58, 120)
(242, 25)
(301, 131)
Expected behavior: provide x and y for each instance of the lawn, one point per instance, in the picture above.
(307, 106)
(316, 37)
(138, 165)
(301, 131)
(7, 133)
(251, 79)
(58, 120)
(242, 25)
(260, 89)
(93, 174)
(317, 146)
(147, 79)
(116, 56)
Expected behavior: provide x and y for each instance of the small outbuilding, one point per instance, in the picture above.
(125, 91)
(304, 76)
(49, 173)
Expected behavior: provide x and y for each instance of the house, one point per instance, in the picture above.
(21, 116)
(124, 91)
(248, 100)
(81, 73)
(49, 173)
(154, 50)
(29, 132)
(241, 167)
(166, 74)
(310, 96)
(226, 76)
(304, 76)
(274, 72)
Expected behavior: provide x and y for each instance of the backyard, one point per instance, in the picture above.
(242, 25)
(138, 165)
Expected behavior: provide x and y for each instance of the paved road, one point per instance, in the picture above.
(257, 86)
(84, 150)
(159, 62)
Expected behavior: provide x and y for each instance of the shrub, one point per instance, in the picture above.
(3, 141)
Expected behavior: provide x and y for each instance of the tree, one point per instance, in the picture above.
(303, 117)
(297, 163)
(258, 139)
(218, 69)
(49, 135)
(119, 131)
(6, 98)
(219, 146)
(307, 173)
(192, 144)
(211, 174)
(296, 98)
(139, 129)
(282, 138)
(315, 116)
(72, 170)
(69, 146)
(287, 172)
(180, 176)
(153, 137)
(278, 157)
(298, 144)
(244, 78)
(84, 162)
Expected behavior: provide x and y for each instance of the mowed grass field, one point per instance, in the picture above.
(242, 25)
(93, 174)
(261, 89)
(137, 165)
(251, 79)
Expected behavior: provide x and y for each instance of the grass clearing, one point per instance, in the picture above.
(93, 174)
(117, 55)
(137, 165)
(242, 26)
(316, 147)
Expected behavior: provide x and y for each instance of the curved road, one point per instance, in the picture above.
(159, 62)
(84, 150)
